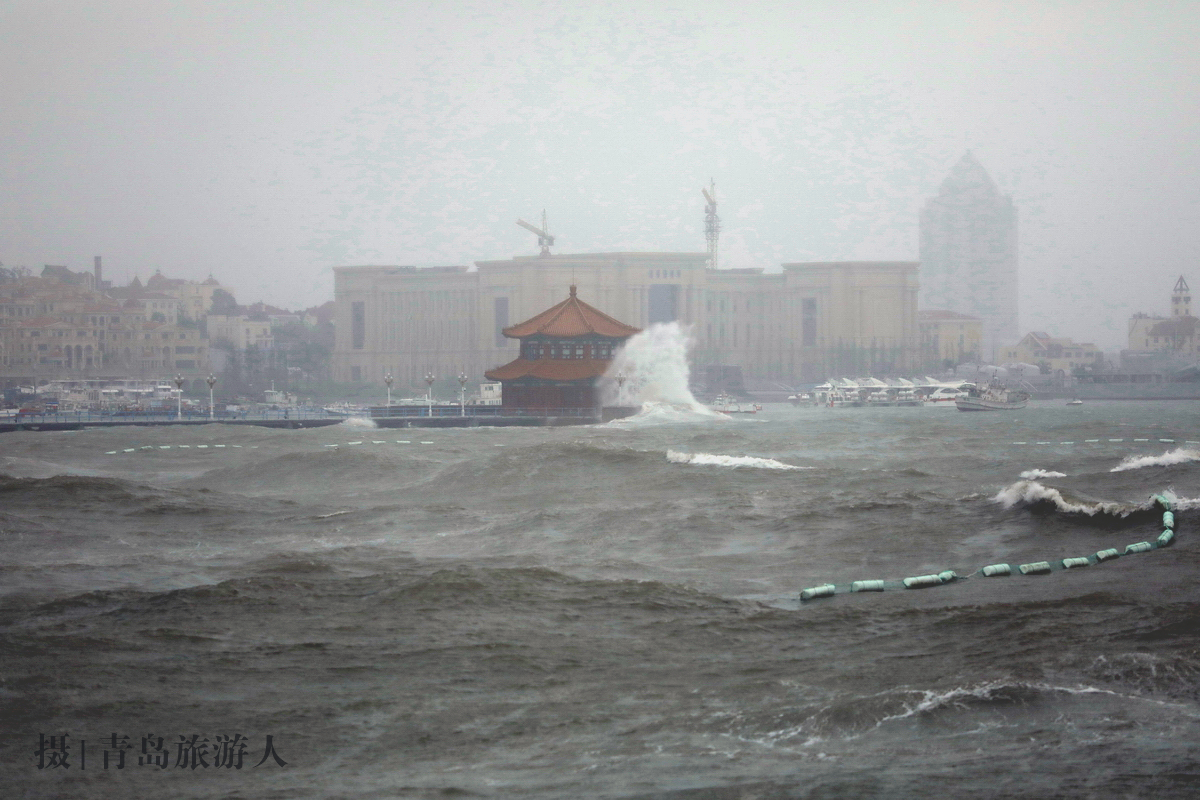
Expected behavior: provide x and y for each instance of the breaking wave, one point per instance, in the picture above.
(358, 422)
(654, 371)
(1034, 474)
(1031, 493)
(663, 413)
(1180, 456)
(715, 460)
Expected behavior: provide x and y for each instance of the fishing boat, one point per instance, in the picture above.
(729, 405)
(993, 397)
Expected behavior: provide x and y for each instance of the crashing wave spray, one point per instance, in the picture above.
(654, 365)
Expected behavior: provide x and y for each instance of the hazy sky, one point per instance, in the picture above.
(266, 142)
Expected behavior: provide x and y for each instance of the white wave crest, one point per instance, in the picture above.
(715, 460)
(1180, 456)
(1030, 492)
(1181, 503)
(961, 696)
(662, 413)
(1034, 474)
(358, 422)
(653, 366)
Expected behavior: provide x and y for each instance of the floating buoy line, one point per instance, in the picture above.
(250, 447)
(1164, 539)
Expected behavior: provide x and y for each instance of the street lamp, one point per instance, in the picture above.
(620, 385)
(211, 380)
(179, 396)
(388, 379)
(429, 382)
(462, 394)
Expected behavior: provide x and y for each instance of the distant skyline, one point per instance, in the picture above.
(266, 143)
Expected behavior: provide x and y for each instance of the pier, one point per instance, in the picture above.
(382, 416)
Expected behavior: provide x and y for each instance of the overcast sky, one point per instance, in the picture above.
(266, 142)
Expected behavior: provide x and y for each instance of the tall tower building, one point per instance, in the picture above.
(969, 253)
(1181, 299)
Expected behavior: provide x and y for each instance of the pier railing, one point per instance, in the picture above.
(378, 412)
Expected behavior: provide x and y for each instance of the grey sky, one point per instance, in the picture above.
(267, 142)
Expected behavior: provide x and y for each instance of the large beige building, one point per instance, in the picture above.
(805, 323)
(949, 338)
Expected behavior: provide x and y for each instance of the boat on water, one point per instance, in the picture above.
(944, 396)
(1075, 401)
(730, 405)
(993, 397)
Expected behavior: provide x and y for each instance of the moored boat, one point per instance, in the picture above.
(993, 397)
(729, 405)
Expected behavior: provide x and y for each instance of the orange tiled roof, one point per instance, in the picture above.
(550, 369)
(571, 317)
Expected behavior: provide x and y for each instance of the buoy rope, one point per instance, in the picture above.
(1164, 539)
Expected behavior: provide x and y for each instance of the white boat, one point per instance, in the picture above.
(993, 397)
(944, 397)
(1075, 401)
(728, 405)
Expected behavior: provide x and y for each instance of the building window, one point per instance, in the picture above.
(808, 321)
(358, 325)
(500, 311)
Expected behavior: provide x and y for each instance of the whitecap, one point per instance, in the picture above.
(1030, 492)
(716, 460)
(1180, 456)
(1034, 474)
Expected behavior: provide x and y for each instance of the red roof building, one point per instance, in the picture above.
(564, 350)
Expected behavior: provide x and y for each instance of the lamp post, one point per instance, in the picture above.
(620, 385)
(388, 379)
(429, 382)
(462, 394)
(179, 396)
(211, 380)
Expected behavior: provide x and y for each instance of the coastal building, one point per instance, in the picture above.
(239, 332)
(1060, 356)
(1164, 341)
(804, 323)
(949, 338)
(563, 352)
(58, 326)
(968, 253)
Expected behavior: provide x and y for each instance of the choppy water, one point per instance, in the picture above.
(608, 611)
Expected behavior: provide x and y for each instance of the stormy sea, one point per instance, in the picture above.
(608, 611)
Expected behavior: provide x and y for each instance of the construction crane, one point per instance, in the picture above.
(712, 223)
(544, 238)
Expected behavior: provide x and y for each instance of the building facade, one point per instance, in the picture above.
(51, 328)
(1164, 341)
(804, 323)
(949, 338)
(968, 253)
(1061, 356)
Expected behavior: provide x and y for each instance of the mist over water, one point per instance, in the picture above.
(610, 610)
